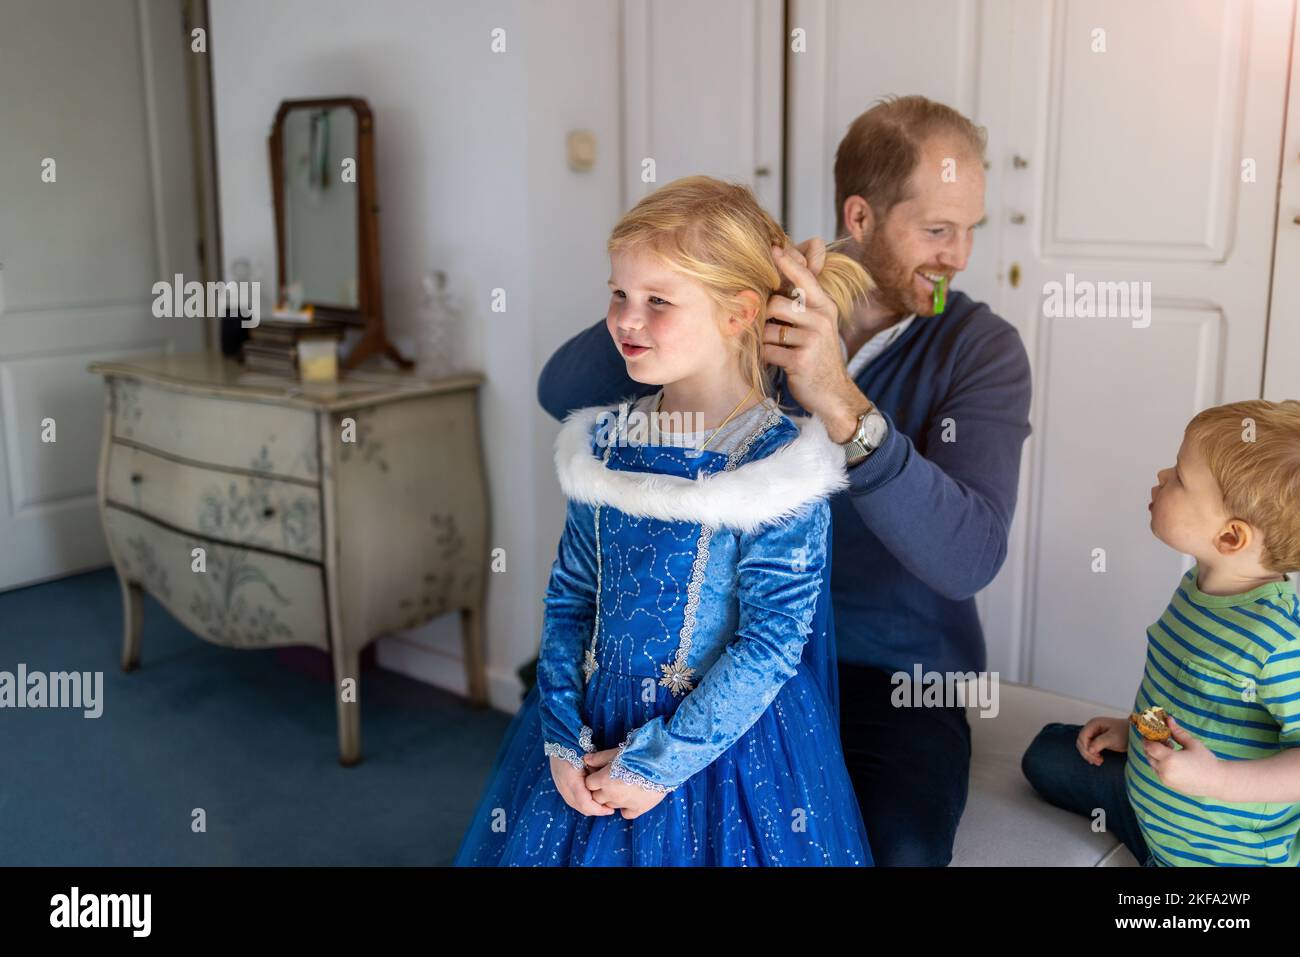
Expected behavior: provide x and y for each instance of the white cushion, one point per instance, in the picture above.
(1006, 822)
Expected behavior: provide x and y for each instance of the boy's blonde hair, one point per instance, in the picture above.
(717, 234)
(1253, 451)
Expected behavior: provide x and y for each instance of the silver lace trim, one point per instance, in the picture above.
(678, 677)
(589, 663)
(619, 773)
(551, 749)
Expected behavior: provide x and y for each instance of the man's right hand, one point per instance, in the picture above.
(813, 253)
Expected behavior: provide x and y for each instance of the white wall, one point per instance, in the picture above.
(472, 180)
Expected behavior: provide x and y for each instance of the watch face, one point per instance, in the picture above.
(873, 429)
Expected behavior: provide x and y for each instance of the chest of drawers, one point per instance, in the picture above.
(263, 513)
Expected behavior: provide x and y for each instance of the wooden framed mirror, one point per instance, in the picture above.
(327, 217)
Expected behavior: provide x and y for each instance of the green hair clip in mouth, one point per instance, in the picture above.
(940, 294)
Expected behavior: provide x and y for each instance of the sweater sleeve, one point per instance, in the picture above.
(946, 515)
(779, 581)
(585, 371)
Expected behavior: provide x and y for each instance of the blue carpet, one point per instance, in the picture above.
(237, 733)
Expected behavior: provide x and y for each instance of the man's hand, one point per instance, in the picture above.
(811, 354)
(1102, 734)
(631, 799)
(1193, 770)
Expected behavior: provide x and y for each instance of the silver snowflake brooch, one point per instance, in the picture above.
(677, 677)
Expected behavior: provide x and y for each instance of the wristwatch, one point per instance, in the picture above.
(871, 432)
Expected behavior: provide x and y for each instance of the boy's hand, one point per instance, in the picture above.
(631, 799)
(1193, 770)
(571, 783)
(1102, 734)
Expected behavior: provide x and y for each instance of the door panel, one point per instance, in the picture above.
(722, 116)
(1134, 176)
(98, 88)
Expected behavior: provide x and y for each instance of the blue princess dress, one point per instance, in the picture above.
(688, 624)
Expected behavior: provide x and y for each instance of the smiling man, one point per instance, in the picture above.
(929, 393)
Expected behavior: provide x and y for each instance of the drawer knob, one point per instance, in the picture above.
(136, 478)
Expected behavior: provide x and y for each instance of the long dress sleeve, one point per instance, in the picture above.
(779, 581)
(567, 626)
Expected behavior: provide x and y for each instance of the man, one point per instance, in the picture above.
(932, 409)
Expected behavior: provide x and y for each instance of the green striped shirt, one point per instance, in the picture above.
(1227, 667)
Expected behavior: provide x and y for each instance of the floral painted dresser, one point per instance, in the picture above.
(264, 512)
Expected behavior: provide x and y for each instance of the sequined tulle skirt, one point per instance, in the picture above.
(779, 796)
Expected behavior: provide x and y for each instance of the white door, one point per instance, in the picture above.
(1282, 372)
(702, 94)
(1149, 137)
(99, 90)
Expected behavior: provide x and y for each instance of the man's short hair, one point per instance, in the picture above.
(880, 151)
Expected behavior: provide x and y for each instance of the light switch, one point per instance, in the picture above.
(581, 150)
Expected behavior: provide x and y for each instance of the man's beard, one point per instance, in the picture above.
(895, 289)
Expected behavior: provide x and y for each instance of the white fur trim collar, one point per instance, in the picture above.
(771, 489)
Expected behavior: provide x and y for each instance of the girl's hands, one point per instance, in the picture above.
(571, 783)
(1102, 734)
(631, 799)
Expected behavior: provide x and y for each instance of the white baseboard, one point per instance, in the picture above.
(432, 654)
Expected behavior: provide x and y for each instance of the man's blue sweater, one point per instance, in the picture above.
(923, 525)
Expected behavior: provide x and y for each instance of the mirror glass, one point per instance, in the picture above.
(321, 262)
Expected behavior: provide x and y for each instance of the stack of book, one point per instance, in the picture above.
(272, 345)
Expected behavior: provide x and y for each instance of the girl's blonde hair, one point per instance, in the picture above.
(717, 234)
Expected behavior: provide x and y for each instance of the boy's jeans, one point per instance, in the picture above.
(1059, 773)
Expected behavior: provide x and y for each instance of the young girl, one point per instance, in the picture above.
(686, 708)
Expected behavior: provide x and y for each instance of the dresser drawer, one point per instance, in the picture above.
(244, 599)
(242, 508)
(262, 436)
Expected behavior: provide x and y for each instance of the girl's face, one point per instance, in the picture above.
(665, 326)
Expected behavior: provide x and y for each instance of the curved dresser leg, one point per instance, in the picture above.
(132, 623)
(347, 698)
(471, 629)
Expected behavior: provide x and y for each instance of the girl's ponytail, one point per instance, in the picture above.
(845, 282)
